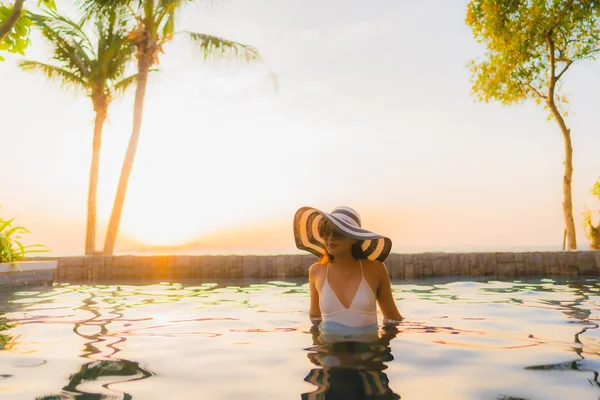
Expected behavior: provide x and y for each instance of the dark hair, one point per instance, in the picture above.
(357, 253)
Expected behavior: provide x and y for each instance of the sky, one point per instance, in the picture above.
(372, 109)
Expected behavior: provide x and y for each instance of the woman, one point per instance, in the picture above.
(350, 278)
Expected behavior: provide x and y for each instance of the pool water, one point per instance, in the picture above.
(240, 340)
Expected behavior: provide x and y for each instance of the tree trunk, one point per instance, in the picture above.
(144, 63)
(567, 178)
(12, 19)
(90, 237)
(568, 174)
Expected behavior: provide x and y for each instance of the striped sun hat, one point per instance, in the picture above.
(308, 222)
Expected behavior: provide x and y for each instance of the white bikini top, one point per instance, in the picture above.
(362, 310)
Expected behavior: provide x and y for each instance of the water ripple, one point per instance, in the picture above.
(475, 340)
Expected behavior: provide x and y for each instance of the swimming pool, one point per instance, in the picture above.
(240, 340)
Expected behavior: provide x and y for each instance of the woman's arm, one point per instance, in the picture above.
(314, 310)
(385, 298)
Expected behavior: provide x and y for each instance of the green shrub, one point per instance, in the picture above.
(11, 248)
(592, 232)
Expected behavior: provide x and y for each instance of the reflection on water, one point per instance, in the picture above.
(110, 371)
(461, 340)
(4, 339)
(5, 325)
(350, 369)
(579, 314)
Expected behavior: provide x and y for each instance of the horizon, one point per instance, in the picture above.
(373, 111)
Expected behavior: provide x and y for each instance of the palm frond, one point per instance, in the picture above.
(166, 8)
(59, 22)
(113, 62)
(94, 64)
(64, 78)
(125, 83)
(72, 46)
(114, 48)
(168, 25)
(213, 46)
(147, 13)
(94, 8)
(169, 3)
(68, 53)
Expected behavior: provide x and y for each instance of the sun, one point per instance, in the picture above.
(163, 217)
(186, 182)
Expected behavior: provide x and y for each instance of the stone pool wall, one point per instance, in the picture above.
(23, 273)
(401, 266)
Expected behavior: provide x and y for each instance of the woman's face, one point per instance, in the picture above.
(335, 241)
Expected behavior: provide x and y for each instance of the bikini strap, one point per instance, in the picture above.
(361, 268)
(327, 272)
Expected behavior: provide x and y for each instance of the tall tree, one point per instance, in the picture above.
(153, 25)
(530, 45)
(96, 67)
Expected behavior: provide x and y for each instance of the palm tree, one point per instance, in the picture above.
(95, 67)
(153, 25)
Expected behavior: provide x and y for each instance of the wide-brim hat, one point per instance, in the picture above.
(308, 223)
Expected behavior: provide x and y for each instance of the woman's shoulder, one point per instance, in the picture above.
(316, 269)
(377, 268)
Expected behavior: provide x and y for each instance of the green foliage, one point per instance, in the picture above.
(51, 4)
(596, 189)
(11, 248)
(530, 45)
(592, 232)
(17, 39)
